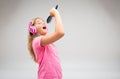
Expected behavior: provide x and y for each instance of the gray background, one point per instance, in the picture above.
(90, 48)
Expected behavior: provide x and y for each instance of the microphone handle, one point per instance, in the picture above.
(50, 17)
(56, 7)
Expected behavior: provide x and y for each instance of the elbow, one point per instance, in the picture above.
(61, 34)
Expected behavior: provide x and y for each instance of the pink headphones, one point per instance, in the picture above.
(31, 28)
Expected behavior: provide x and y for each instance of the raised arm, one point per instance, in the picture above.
(59, 29)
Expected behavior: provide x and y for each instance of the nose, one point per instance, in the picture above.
(43, 23)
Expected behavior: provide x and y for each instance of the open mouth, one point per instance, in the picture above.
(44, 27)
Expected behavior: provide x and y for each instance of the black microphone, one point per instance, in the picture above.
(50, 17)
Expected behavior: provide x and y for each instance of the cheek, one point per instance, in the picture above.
(47, 29)
(39, 28)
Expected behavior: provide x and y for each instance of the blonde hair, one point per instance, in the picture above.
(30, 39)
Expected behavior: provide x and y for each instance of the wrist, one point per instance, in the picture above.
(56, 13)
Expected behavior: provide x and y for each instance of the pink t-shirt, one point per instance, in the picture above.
(48, 60)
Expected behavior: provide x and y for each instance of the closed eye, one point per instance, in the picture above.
(39, 23)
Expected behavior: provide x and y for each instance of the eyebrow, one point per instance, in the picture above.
(39, 21)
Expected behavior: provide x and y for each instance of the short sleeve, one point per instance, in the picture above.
(36, 42)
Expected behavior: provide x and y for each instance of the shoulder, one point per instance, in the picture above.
(36, 41)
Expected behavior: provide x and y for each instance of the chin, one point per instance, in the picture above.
(44, 33)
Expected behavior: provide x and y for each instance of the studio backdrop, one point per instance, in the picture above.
(90, 48)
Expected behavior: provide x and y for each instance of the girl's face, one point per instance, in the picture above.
(41, 27)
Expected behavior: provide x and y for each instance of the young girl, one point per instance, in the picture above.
(41, 46)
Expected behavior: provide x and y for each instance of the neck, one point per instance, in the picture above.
(38, 34)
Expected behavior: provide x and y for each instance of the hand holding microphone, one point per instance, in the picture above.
(50, 17)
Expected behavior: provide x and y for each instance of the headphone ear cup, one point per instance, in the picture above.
(32, 29)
